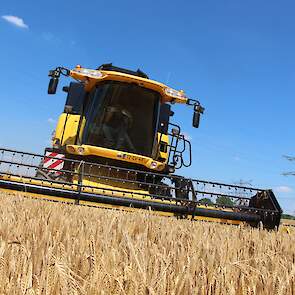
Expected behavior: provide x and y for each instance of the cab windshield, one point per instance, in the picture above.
(121, 116)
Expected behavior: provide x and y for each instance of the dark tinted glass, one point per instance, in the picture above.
(75, 98)
(122, 116)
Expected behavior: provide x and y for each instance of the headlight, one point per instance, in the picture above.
(175, 93)
(71, 149)
(153, 165)
(87, 72)
(80, 150)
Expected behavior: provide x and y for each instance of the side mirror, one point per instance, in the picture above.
(196, 119)
(52, 86)
(198, 110)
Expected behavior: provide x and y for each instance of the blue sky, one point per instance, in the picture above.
(236, 56)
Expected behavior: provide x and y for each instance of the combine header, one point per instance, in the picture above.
(115, 147)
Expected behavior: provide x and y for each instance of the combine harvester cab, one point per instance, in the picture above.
(115, 147)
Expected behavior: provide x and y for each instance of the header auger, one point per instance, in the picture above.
(115, 147)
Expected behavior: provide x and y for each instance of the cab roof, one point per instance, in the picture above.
(110, 67)
(109, 72)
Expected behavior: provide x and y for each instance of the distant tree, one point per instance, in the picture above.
(206, 201)
(288, 216)
(224, 201)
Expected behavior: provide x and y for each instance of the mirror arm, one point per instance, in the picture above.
(199, 109)
(55, 74)
(192, 102)
(196, 104)
(59, 71)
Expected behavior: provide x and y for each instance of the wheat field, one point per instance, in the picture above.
(289, 222)
(51, 248)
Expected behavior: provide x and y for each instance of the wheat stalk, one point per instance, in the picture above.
(58, 249)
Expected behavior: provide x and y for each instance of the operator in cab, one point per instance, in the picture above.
(116, 124)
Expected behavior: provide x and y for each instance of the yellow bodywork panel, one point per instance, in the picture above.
(66, 129)
(163, 141)
(92, 77)
(81, 130)
(87, 150)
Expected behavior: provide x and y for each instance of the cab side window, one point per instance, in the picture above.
(75, 98)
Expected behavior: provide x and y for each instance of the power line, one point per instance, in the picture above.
(291, 159)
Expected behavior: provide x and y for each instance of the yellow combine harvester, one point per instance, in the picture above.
(115, 147)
